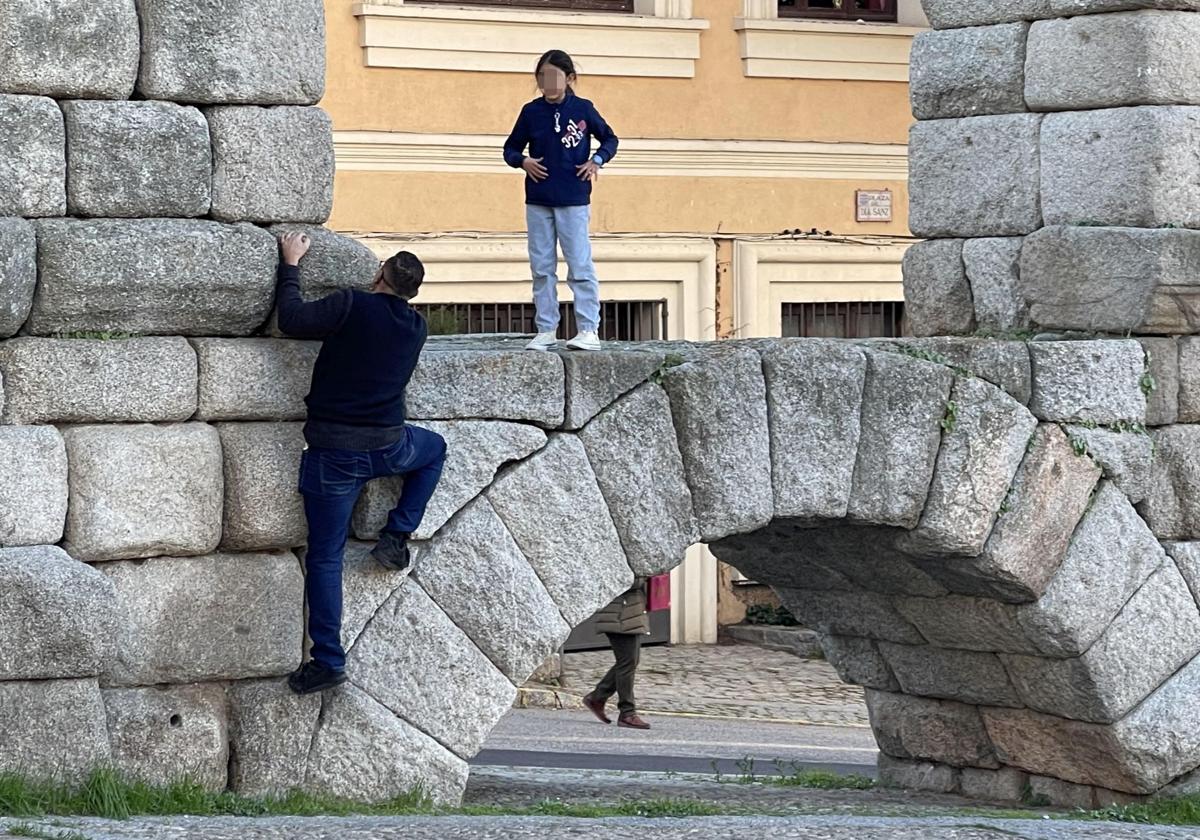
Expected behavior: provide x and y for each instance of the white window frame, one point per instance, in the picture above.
(660, 38)
(773, 272)
(811, 48)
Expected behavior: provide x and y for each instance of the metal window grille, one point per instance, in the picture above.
(623, 320)
(857, 319)
(884, 10)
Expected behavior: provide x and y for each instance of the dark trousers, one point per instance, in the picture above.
(330, 482)
(627, 648)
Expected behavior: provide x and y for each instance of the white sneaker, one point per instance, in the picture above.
(587, 340)
(543, 341)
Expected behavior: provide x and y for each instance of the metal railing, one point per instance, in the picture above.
(848, 319)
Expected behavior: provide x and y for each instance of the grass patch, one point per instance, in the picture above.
(671, 360)
(106, 794)
(822, 780)
(933, 357)
(1005, 335)
(794, 775)
(950, 420)
(1183, 810)
(771, 615)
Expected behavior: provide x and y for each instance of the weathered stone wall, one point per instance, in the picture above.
(1053, 174)
(970, 552)
(1053, 167)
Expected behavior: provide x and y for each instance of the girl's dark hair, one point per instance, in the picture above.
(403, 274)
(559, 59)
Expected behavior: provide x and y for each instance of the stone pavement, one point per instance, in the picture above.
(735, 681)
(772, 812)
(514, 788)
(538, 828)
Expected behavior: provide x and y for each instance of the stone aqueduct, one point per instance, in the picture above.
(983, 530)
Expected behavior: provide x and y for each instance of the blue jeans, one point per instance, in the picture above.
(548, 227)
(330, 481)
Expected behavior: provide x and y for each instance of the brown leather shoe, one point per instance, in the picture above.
(632, 721)
(597, 708)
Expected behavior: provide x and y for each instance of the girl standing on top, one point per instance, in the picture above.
(557, 129)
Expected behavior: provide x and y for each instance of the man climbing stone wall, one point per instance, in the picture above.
(150, 529)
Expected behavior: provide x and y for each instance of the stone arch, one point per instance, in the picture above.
(988, 582)
(948, 513)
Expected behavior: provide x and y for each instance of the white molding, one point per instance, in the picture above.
(771, 272)
(509, 40)
(372, 151)
(793, 48)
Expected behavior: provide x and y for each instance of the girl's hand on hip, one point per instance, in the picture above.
(588, 171)
(533, 167)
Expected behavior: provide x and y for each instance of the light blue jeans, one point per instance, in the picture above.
(548, 227)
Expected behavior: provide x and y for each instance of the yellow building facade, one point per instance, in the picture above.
(759, 188)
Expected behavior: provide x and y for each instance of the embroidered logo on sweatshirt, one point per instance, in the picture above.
(575, 133)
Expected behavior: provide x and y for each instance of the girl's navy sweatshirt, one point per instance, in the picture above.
(561, 135)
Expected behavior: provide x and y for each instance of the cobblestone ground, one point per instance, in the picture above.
(540, 828)
(740, 681)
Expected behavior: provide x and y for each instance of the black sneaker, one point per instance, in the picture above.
(392, 551)
(312, 677)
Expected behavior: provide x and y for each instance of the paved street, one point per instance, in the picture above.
(509, 787)
(729, 681)
(712, 708)
(533, 737)
(540, 828)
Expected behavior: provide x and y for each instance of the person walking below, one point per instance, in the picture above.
(356, 431)
(625, 622)
(557, 129)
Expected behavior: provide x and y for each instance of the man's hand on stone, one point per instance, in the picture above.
(294, 246)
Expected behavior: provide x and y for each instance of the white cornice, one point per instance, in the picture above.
(370, 151)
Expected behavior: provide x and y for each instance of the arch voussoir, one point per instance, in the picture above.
(478, 574)
(634, 452)
(903, 408)
(814, 398)
(553, 507)
(719, 406)
(986, 435)
(1049, 493)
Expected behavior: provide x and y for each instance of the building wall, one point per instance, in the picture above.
(419, 149)
(741, 134)
(734, 107)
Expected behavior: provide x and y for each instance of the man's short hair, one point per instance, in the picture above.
(403, 274)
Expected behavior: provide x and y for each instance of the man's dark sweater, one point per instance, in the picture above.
(371, 346)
